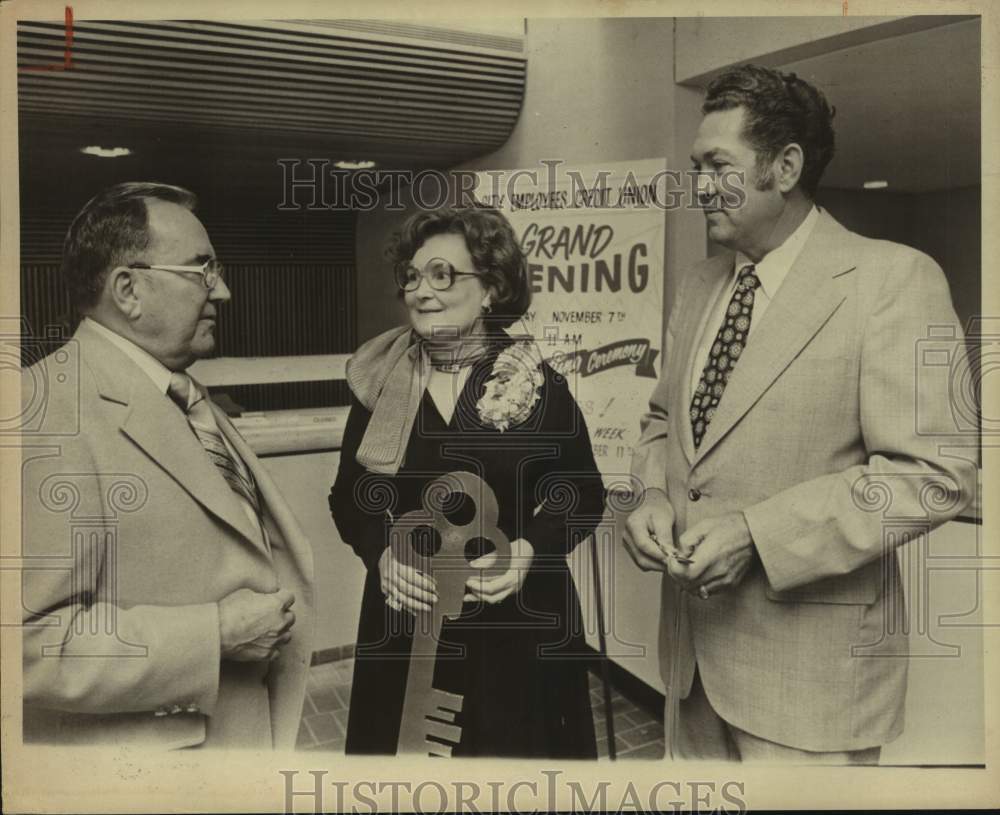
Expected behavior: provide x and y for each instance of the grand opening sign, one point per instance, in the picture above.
(594, 237)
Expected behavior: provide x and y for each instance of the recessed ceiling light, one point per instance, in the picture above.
(105, 152)
(876, 185)
(355, 165)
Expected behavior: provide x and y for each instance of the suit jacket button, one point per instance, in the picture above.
(694, 494)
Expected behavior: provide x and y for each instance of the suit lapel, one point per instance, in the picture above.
(159, 428)
(807, 298)
(271, 499)
(704, 290)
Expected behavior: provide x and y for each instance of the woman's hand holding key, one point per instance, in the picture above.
(405, 588)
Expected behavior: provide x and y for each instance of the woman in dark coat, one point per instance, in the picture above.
(453, 392)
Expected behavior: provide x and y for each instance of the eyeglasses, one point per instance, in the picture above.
(439, 273)
(210, 270)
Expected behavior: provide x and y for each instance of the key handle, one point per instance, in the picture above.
(449, 565)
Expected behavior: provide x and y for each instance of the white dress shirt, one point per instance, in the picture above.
(152, 367)
(771, 270)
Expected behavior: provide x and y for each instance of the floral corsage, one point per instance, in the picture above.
(513, 387)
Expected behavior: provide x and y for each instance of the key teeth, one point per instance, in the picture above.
(446, 701)
(442, 714)
(450, 733)
(439, 750)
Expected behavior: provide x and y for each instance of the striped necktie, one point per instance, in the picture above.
(729, 343)
(199, 415)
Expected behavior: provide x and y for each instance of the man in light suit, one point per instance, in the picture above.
(791, 396)
(163, 564)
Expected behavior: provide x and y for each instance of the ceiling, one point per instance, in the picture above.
(210, 103)
(210, 96)
(908, 109)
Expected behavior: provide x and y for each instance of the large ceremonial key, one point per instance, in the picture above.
(427, 726)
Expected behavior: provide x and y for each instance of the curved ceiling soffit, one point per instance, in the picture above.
(418, 94)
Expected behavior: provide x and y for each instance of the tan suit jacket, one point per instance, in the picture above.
(132, 537)
(832, 438)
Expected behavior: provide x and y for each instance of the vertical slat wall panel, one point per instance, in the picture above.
(284, 310)
(45, 312)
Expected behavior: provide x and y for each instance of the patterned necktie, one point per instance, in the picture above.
(199, 415)
(724, 354)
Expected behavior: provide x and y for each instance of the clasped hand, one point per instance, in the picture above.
(721, 551)
(409, 589)
(254, 625)
(718, 550)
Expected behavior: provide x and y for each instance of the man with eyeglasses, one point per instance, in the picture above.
(167, 616)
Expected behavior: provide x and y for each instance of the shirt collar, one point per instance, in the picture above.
(772, 269)
(153, 368)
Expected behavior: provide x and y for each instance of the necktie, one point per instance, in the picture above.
(199, 415)
(729, 343)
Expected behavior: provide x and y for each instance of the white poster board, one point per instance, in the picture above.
(594, 238)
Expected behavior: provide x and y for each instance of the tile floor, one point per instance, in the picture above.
(638, 734)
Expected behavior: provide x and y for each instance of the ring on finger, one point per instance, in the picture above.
(703, 592)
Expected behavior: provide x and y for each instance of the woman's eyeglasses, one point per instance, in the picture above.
(210, 270)
(439, 273)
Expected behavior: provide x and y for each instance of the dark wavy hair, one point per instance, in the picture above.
(490, 240)
(780, 109)
(110, 230)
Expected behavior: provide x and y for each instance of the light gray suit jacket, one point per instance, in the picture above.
(132, 537)
(832, 438)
